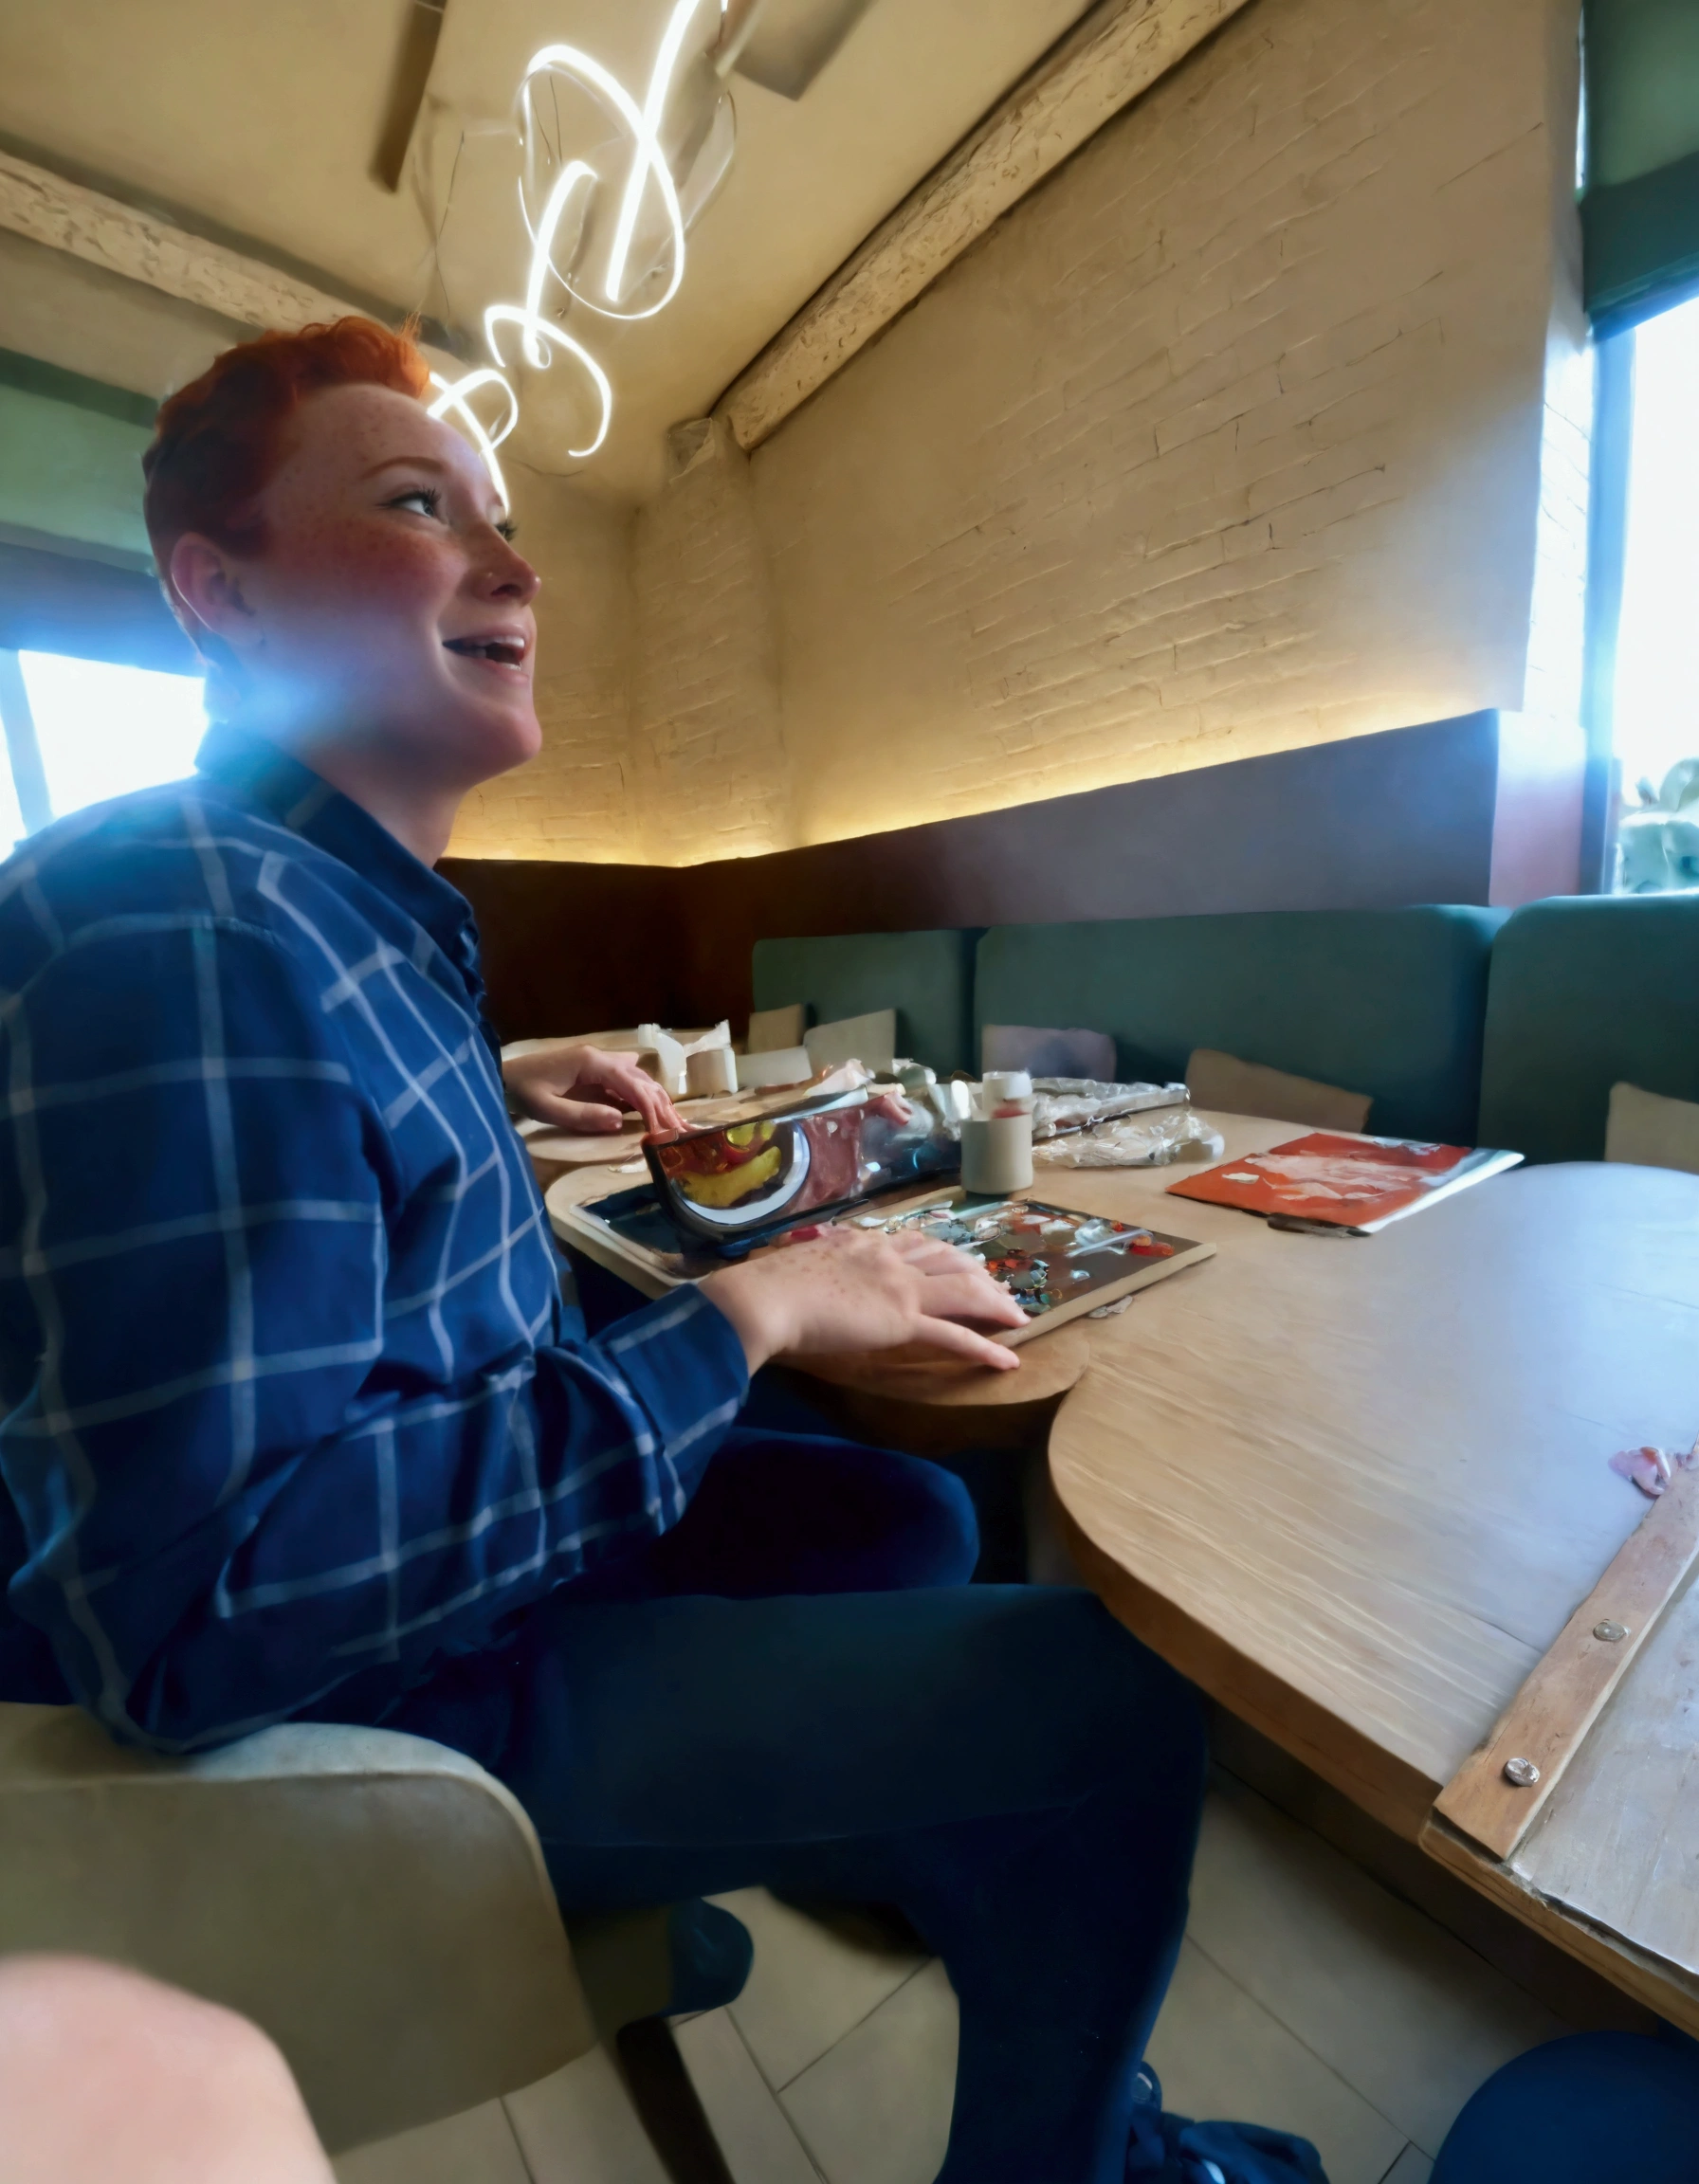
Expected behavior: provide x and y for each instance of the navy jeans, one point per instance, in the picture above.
(797, 1687)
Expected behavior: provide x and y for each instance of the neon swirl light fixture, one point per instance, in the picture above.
(456, 397)
(542, 239)
(577, 185)
(542, 329)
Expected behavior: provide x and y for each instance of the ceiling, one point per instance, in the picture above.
(257, 119)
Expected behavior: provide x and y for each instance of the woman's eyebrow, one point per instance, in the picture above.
(415, 462)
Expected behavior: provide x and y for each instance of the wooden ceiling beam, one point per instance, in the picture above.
(43, 206)
(1117, 52)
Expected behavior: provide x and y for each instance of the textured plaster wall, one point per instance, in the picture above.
(1233, 437)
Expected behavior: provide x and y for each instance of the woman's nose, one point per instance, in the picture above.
(507, 574)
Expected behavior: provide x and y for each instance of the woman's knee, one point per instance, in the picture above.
(1144, 1710)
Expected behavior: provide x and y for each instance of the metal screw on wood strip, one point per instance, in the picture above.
(1523, 1773)
(1610, 1631)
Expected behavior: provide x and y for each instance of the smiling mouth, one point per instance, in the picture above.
(504, 651)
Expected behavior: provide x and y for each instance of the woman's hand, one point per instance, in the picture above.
(602, 1087)
(849, 1290)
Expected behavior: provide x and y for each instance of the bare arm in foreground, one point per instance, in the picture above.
(110, 2078)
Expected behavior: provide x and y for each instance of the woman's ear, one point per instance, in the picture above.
(205, 585)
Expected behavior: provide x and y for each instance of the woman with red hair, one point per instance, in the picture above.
(296, 1427)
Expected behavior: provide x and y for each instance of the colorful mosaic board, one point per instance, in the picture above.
(1055, 1262)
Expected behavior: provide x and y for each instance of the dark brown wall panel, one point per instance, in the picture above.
(1373, 823)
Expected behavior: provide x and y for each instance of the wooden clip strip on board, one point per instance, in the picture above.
(1545, 1724)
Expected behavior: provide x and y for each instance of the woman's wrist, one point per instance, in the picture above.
(756, 1305)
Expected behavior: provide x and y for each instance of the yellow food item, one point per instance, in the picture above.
(735, 1183)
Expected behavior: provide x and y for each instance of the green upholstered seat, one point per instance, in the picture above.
(1587, 992)
(926, 978)
(1387, 1002)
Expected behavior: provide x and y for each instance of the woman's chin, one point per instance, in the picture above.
(502, 736)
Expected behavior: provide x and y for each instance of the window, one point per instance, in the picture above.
(1657, 710)
(1652, 699)
(80, 731)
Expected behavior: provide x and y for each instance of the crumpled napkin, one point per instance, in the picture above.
(1651, 1469)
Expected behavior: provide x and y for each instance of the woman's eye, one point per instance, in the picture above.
(426, 498)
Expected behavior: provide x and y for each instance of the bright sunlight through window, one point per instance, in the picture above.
(1657, 644)
(106, 730)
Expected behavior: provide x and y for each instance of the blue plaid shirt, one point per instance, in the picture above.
(288, 1396)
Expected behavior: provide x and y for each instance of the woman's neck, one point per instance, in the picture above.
(418, 814)
(392, 787)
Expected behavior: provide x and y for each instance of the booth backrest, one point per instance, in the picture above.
(926, 978)
(1587, 992)
(1386, 1002)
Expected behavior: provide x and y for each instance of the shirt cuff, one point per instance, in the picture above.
(684, 1363)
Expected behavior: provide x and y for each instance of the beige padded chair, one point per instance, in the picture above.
(376, 1903)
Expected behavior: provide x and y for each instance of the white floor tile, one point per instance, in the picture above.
(810, 1986)
(876, 2110)
(754, 2132)
(476, 2148)
(579, 2128)
(1220, 2055)
(1412, 2167)
(1404, 2012)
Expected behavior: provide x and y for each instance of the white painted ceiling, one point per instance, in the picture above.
(258, 119)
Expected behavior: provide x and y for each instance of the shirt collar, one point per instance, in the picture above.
(266, 776)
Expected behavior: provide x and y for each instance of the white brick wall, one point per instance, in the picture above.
(1228, 438)
(711, 774)
(575, 800)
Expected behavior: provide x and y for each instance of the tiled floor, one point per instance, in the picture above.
(1306, 1996)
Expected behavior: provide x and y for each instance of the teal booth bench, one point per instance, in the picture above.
(1386, 1002)
(1586, 992)
(1462, 1024)
(926, 978)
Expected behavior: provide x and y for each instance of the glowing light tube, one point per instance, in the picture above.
(454, 395)
(544, 330)
(654, 107)
(543, 255)
(647, 155)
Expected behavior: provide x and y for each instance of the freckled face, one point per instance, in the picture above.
(388, 607)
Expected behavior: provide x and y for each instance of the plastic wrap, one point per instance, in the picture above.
(1137, 1141)
(1063, 1103)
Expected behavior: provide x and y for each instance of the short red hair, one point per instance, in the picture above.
(218, 440)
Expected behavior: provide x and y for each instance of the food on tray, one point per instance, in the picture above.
(721, 1168)
(736, 1182)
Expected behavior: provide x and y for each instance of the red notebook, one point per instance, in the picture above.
(1355, 1183)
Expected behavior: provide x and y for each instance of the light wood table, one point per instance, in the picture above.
(1355, 1486)
(916, 1400)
